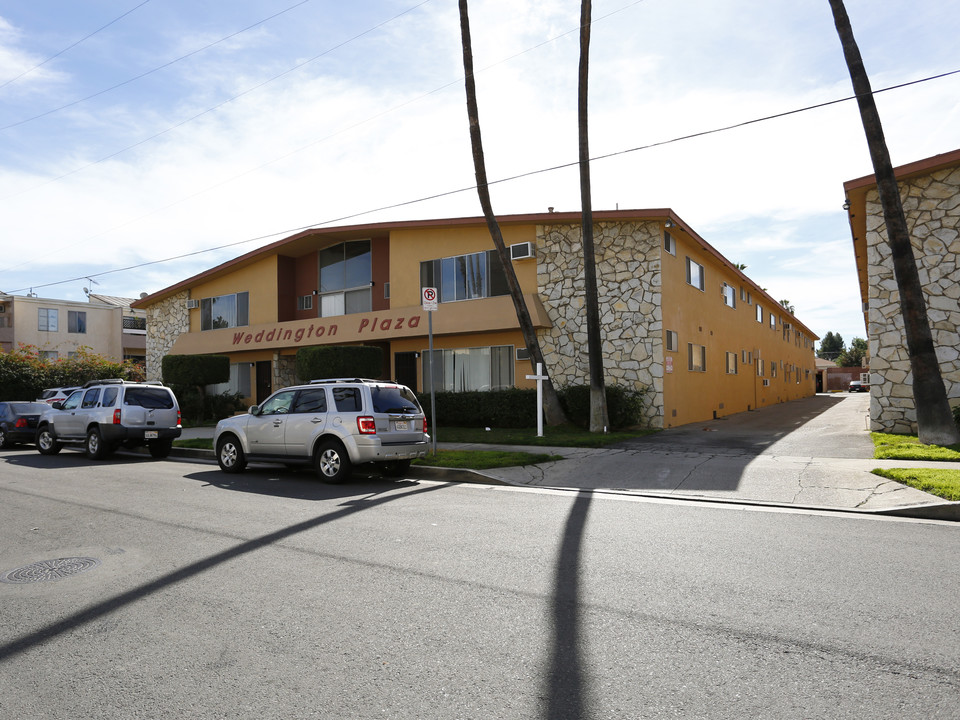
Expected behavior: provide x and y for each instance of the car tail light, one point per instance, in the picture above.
(367, 425)
(20, 423)
(178, 417)
(116, 416)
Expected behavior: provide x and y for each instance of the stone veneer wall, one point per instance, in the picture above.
(628, 285)
(932, 206)
(166, 320)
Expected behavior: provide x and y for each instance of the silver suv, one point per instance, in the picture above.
(106, 414)
(333, 424)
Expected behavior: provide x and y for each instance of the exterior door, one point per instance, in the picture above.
(265, 429)
(264, 380)
(405, 364)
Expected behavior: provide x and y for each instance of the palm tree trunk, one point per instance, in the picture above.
(935, 424)
(552, 410)
(599, 420)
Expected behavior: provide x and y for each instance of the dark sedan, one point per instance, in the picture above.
(18, 422)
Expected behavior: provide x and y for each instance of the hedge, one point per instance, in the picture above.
(337, 361)
(24, 375)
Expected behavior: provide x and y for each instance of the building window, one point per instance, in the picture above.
(48, 320)
(731, 363)
(746, 357)
(694, 274)
(225, 311)
(759, 367)
(672, 341)
(729, 295)
(305, 302)
(773, 321)
(239, 381)
(463, 369)
(76, 321)
(696, 357)
(465, 277)
(49, 355)
(346, 278)
(773, 368)
(669, 243)
(759, 314)
(745, 295)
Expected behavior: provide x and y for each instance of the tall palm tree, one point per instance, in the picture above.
(599, 420)
(935, 424)
(552, 410)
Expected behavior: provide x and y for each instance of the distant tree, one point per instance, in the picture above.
(935, 423)
(831, 346)
(788, 306)
(854, 355)
(741, 266)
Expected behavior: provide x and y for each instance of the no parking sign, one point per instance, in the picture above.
(429, 298)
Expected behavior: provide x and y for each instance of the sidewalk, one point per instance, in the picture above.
(808, 454)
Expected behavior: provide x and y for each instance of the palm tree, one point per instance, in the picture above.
(599, 420)
(552, 410)
(935, 424)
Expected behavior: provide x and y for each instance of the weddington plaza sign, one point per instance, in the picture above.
(315, 331)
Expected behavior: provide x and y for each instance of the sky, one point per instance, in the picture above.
(144, 141)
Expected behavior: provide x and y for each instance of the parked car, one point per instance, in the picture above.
(104, 415)
(18, 422)
(333, 424)
(52, 395)
(858, 386)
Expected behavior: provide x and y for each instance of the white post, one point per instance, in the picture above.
(539, 377)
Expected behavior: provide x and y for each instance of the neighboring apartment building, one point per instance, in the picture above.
(677, 317)
(105, 325)
(930, 190)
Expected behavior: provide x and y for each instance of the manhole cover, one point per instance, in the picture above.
(49, 570)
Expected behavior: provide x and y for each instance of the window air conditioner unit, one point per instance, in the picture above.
(193, 304)
(522, 251)
(787, 326)
(522, 354)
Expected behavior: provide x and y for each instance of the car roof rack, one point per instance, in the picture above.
(345, 380)
(120, 381)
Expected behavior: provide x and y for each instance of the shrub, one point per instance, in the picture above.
(624, 405)
(956, 414)
(333, 361)
(24, 374)
(196, 370)
(511, 408)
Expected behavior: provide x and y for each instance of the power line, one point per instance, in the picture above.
(73, 45)
(150, 72)
(500, 181)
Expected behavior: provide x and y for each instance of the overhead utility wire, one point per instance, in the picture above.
(215, 107)
(472, 188)
(70, 47)
(152, 71)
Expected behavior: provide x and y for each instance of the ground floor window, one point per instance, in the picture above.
(239, 381)
(461, 369)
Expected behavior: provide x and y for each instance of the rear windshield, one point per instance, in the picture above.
(151, 398)
(394, 399)
(28, 408)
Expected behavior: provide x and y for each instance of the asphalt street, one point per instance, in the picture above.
(270, 595)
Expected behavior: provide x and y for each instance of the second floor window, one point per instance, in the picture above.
(345, 278)
(48, 320)
(225, 311)
(465, 277)
(695, 274)
(76, 321)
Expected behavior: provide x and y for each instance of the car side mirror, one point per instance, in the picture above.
(57, 406)
(254, 410)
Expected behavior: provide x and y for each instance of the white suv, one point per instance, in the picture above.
(333, 424)
(105, 414)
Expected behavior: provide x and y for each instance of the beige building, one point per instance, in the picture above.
(930, 190)
(678, 318)
(104, 325)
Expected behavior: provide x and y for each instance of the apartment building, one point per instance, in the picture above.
(677, 317)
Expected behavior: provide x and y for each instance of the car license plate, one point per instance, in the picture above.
(400, 425)
(150, 435)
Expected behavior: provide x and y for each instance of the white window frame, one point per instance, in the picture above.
(731, 367)
(669, 243)
(700, 279)
(729, 294)
(672, 341)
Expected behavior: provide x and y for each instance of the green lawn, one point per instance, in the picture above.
(942, 483)
(907, 447)
(563, 436)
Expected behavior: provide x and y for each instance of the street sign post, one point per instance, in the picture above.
(539, 377)
(429, 301)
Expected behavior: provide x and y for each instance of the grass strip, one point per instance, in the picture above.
(908, 447)
(942, 483)
(483, 459)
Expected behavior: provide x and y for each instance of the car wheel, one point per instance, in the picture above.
(230, 455)
(4, 442)
(95, 447)
(159, 449)
(395, 468)
(332, 462)
(47, 443)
